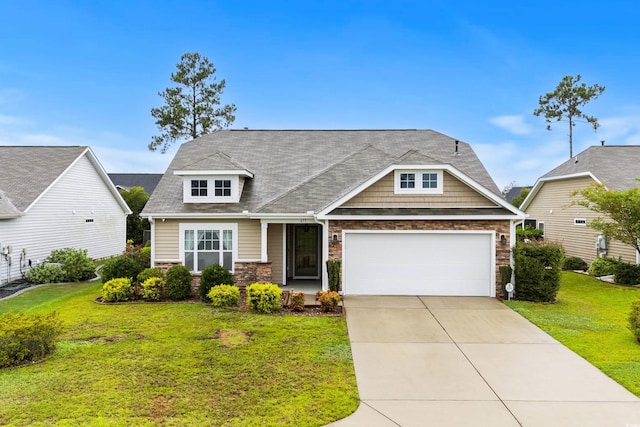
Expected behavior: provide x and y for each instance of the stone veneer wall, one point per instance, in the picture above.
(503, 252)
(246, 273)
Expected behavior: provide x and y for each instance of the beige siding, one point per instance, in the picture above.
(552, 205)
(167, 239)
(455, 194)
(275, 243)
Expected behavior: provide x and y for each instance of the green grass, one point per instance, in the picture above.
(178, 364)
(590, 318)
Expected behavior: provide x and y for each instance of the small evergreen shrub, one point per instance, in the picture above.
(77, 266)
(297, 301)
(148, 273)
(574, 263)
(626, 274)
(27, 337)
(634, 320)
(153, 289)
(135, 252)
(118, 267)
(46, 273)
(537, 271)
(264, 297)
(213, 275)
(224, 295)
(178, 283)
(333, 272)
(603, 267)
(116, 290)
(329, 301)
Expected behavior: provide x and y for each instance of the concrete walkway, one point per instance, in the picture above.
(464, 361)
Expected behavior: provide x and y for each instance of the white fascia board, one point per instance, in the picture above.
(540, 182)
(418, 217)
(242, 172)
(160, 215)
(103, 174)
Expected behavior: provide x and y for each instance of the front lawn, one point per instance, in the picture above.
(590, 318)
(178, 364)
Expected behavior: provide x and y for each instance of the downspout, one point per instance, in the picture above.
(512, 243)
(152, 222)
(325, 250)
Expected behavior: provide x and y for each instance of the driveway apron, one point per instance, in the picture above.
(471, 361)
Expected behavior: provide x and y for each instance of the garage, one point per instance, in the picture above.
(455, 263)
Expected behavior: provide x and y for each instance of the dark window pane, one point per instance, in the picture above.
(194, 192)
(188, 260)
(206, 259)
(227, 260)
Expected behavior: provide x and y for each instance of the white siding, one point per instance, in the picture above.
(58, 220)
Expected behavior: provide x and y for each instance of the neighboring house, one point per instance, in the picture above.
(124, 181)
(406, 211)
(515, 192)
(549, 202)
(52, 198)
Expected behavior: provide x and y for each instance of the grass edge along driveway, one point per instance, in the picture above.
(590, 318)
(178, 364)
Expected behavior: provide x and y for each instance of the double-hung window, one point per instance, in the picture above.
(207, 244)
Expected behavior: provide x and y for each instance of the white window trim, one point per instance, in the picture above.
(543, 228)
(210, 226)
(418, 189)
(211, 197)
(580, 222)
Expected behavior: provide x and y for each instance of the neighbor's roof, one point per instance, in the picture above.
(148, 181)
(28, 171)
(616, 166)
(515, 192)
(296, 171)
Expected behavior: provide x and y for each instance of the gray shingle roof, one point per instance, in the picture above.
(515, 192)
(28, 171)
(148, 181)
(617, 166)
(301, 170)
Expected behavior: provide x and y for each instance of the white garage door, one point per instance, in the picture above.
(413, 263)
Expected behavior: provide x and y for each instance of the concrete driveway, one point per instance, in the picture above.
(466, 361)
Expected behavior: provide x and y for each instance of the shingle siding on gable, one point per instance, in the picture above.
(381, 195)
(559, 225)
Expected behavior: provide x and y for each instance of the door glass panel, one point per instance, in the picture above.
(306, 251)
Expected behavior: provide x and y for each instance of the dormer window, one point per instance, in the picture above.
(198, 188)
(222, 187)
(418, 182)
(212, 186)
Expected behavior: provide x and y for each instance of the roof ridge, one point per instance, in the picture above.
(323, 171)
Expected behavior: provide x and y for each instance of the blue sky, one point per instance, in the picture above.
(88, 72)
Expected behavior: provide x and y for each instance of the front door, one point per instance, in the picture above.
(306, 242)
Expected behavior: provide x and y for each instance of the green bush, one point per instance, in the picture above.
(603, 267)
(333, 273)
(27, 337)
(505, 274)
(264, 297)
(145, 251)
(297, 301)
(626, 274)
(153, 289)
(46, 273)
(224, 295)
(329, 301)
(118, 267)
(537, 271)
(116, 290)
(148, 273)
(77, 266)
(213, 275)
(529, 233)
(634, 320)
(178, 283)
(140, 256)
(574, 263)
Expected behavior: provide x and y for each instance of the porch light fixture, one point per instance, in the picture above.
(503, 239)
(335, 237)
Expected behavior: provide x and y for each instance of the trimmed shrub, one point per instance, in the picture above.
(505, 274)
(297, 301)
(77, 266)
(333, 272)
(46, 273)
(626, 274)
(264, 297)
(537, 271)
(116, 290)
(148, 273)
(213, 275)
(118, 267)
(27, 337)
(178, 283)
(329, 301)
(528, 233)
(634, 320)
(224, 295)
(153, 289)
(574, 263)
(603, 267)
